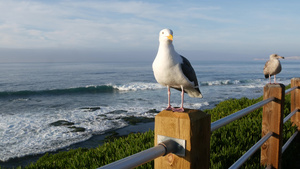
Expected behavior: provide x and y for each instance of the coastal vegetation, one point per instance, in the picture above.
(228, 143)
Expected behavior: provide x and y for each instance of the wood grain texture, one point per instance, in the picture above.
(295, 102)
(272, 120)
(192, 126)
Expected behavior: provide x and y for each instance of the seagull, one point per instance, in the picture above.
(173, 70)
(272, 67)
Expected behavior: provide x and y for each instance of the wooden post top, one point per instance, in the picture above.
(296, 78)
(187, 114)
(271, 85)
(193, 126)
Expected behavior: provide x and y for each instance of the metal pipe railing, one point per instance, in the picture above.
(251, 151)
(228, 119)
(244, 112)
(170, 146)
(145, 156)
(290, 115)
(290, 90)
(285, 146)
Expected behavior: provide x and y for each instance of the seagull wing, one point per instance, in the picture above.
(189, 72)
(266, 73)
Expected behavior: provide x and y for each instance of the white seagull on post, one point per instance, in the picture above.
(173, 70)
(272, 67)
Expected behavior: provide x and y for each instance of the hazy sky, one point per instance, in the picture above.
(94, 30)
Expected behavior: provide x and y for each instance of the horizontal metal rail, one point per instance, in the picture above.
(290, 115)
(251, 151)
(145, 156)
(228, 119)
(290, 90)
(285, 146)
(170, 146)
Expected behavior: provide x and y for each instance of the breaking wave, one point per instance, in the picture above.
(229, 82)
(92, 89)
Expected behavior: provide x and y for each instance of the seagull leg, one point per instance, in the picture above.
(181, 109)
(269, 79)
(274, 79)
(169, 95)
(182, 98)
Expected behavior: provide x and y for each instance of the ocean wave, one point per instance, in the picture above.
(228, 82)
(75, 90)
(138, 86)
(219, 82)
(109, 88)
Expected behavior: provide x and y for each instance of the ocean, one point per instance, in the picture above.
(45, 107)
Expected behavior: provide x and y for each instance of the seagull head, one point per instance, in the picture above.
(275, 56)
(166, 35)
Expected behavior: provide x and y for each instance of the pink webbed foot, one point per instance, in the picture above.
(169, 108)
(181, 109)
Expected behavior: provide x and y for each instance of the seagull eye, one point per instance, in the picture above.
(162, 32)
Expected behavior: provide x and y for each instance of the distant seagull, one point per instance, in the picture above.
(272, 67)
(173, 70)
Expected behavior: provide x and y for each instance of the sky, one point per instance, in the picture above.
(102, 30)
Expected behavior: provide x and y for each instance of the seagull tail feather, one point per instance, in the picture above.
(195, 93)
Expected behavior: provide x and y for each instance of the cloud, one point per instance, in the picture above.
(241, 28)
(91, 24)
(73, 24)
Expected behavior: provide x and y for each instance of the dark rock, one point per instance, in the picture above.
(90, 109)
(61, 123)
(77, 129)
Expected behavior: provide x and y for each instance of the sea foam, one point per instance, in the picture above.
(138, 86)
(39, 132)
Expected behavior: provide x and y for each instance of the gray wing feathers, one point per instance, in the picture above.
(265, 69)
(189, 72)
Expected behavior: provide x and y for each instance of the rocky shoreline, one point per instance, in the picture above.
(93, 142)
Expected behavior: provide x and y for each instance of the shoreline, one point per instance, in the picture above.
(93, 142)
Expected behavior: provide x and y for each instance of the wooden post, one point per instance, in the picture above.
(295, 101)
(192, 126)
(272, 120)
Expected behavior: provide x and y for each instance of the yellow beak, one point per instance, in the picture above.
(170, 37)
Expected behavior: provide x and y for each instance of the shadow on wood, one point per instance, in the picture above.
(192, 126)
